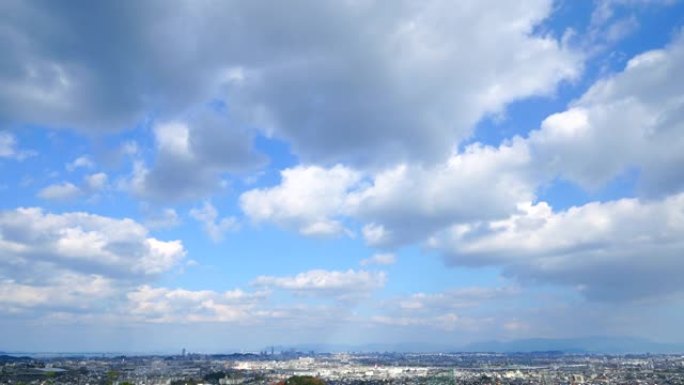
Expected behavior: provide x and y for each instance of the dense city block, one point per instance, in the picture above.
(298, 368)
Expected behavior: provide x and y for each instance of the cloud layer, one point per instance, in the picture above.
(394, 87)
(631, 120)
(597, 248)
(75, 261)
(341, 284)
(441, 168)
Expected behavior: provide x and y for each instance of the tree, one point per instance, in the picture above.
(304, 380)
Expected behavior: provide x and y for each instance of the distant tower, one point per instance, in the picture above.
(183, 352)
(272, 350)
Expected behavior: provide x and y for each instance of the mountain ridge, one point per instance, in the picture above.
(594, 344)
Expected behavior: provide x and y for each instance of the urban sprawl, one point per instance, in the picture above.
(291, 367)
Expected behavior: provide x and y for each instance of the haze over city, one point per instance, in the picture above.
(226, 176)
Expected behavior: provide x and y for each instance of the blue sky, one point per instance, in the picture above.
(227, 176)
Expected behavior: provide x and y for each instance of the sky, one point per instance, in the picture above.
(226, 176)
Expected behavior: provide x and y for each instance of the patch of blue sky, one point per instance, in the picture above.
(415, 264)
(279, 152)
(562, 194)
(261, 250)
(657, 26)
(51, 150)
(654, 28)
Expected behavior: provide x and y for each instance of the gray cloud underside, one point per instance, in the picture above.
(341, 81)
(192, 155)
(628, 121)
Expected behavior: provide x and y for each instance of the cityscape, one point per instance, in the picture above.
(269, 367)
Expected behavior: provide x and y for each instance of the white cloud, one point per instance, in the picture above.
(375, 234)
(629, 121)
(83, 161)
(95, 182)
(308, 199)
(191, 155)
(92, 184)
(162, 305)
(8, 147)
(626, 121)
(62, 191)
(619, 250)
(409, 202)
(69, 291)
(439, 66)
(33, 242)
(445, 322)
(389, 104)
(214, 226)
(234, 307)
(429, 72)
(338, 284)
(75, 263)
(380, 259)
(403, 204)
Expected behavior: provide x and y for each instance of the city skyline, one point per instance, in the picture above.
(218, 176)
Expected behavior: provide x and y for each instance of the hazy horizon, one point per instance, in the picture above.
(210, 174)
(584, 345)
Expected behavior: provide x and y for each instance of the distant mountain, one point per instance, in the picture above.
(598, 344)
(8, 358)
(610, 345)
(416, 347)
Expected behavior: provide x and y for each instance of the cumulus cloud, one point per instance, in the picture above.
(631, 120)
(163, 305)
(627, 121)
(8, 147)
(92, 184)
(620, 250)
(339, 284)
(213, 226)
(75, 262)
(377, 115)
(64, 292)
(191, 156)
(309, 199)
(32, 241)
(421, 79)
(375, 234)
(77, 78)
(405, 83)
(61, 191)
(233, 308)
(95, 182)
(83, 161)
(409, 202)
(402, 204)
